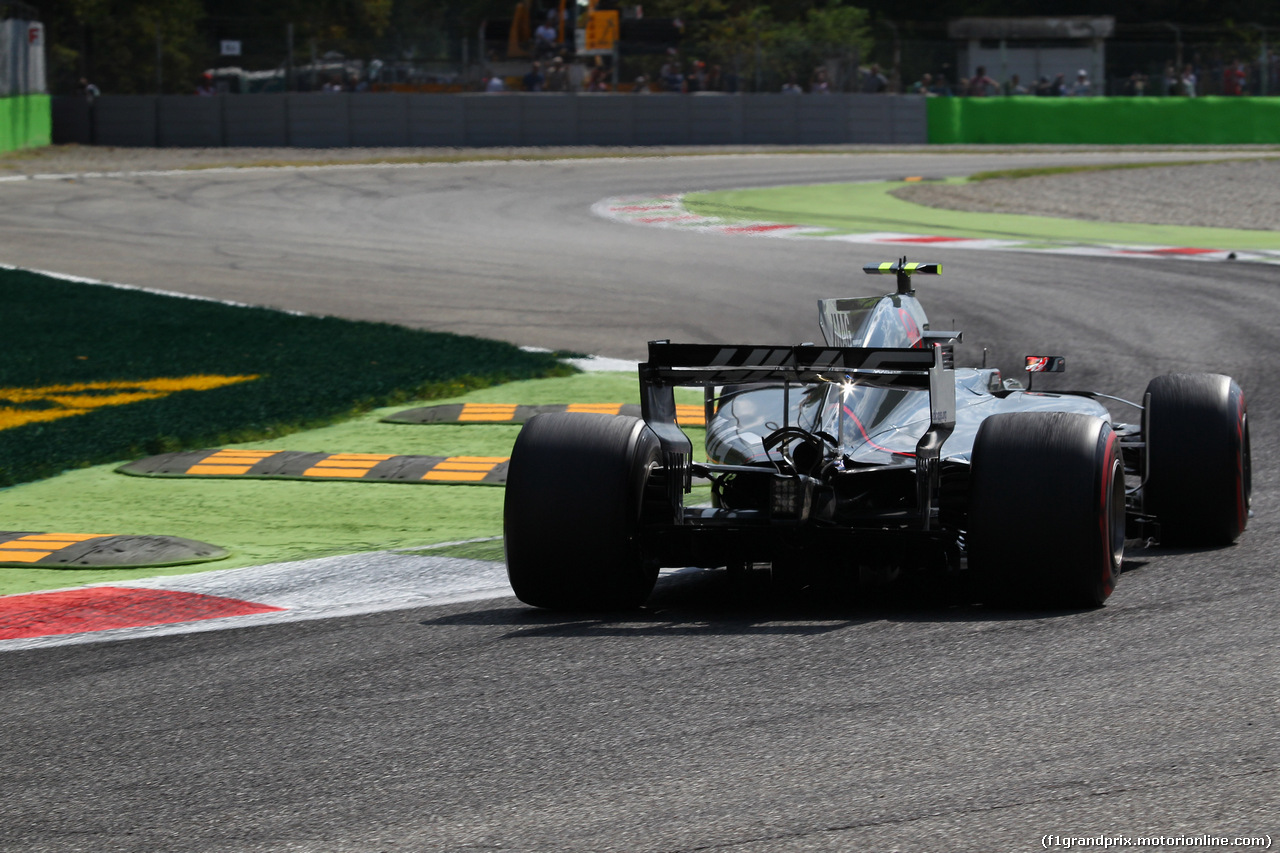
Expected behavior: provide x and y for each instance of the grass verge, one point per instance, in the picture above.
(94, 373)
(265, 521)
(871, 207)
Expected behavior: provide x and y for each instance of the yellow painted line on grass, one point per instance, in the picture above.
(53, 402)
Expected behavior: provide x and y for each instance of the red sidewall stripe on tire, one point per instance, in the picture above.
(1104, 517)
(1242, 508)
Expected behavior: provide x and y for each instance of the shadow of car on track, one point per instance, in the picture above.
(719, 603)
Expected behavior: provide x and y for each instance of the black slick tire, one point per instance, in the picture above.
(1199, 469)
(1046, 510)
(571, 519)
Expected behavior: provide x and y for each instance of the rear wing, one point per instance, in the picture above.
(710, 365)
(722, 364)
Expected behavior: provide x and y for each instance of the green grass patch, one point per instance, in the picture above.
(871, 207)
(264, 521)
(72, 348)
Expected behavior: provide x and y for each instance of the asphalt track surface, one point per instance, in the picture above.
(717, 718)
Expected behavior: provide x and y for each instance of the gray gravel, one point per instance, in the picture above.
(1231, 194)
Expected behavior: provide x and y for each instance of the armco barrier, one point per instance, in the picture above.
(1105, 121)
(319, 120)
(25, 122)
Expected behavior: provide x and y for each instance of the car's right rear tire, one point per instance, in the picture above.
(1199, 480)
(1046, 509)
(571, 518)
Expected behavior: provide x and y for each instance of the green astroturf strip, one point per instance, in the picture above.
(264, 521)
(66, 341)
(861, 208)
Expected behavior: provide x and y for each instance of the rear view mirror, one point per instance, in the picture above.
(1046, 364)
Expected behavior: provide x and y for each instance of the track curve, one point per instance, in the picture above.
(709, 720)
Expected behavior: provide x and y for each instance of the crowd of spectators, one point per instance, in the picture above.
(1230, 77)
(982, 85)
(553, 68)
(554, 72)
(1233, 77)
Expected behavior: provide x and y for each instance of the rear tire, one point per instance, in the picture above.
(1199, 470)
(1046, 509)
(571, 519)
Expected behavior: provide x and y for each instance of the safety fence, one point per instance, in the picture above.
(1105, 121)
(410, 120)
(338, 120)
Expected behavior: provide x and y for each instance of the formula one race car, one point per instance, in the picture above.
(876, 457)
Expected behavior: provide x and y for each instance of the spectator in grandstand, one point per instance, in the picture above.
(1136, 85)
(88, 91)
(1082, 87)
(1233, 77)
(641, 86)
(671, 76)
(557, 76)
(597, 80)
(495, 84)
(714, 81)
(923, 86)
(205, 88)
(981, 85)
(696, 80)
(1015, 87)
(544, 39)
(818, 84)
(874, 82)
(534, 81)
(1189, 81)
(791, 87)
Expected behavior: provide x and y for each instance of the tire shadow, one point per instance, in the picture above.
(716, 602)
